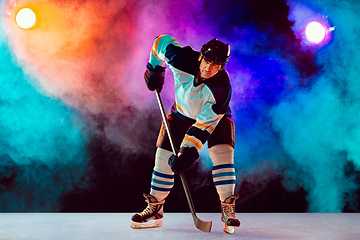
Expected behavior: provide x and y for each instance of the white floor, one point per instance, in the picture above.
(262, 226)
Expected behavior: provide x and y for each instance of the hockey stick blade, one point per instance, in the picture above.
(201, 225)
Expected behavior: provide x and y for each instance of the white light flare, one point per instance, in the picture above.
(25, 18)
(315, 32)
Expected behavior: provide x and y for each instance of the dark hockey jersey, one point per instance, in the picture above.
(202, 104)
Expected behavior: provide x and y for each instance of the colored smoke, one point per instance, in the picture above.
(42, 143)
(78, 76)
(296, 116)
(319, 125)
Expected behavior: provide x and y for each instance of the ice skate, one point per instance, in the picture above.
(152, 215)
(228, 214)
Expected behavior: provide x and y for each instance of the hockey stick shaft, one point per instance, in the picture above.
(201, 225)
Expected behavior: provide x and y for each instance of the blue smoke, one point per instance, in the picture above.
(295, 104)
(319, 126)
(42, 142)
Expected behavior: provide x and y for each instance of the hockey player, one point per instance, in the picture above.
(200, 113)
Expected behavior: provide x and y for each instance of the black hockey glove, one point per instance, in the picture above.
(186, 157)
(154, 77)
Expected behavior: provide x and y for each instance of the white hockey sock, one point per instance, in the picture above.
(223, 170)
(162, 179)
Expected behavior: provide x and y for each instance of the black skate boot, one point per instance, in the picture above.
(228, 214)
(152, 215)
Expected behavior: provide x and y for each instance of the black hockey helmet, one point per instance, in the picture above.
(216, 52)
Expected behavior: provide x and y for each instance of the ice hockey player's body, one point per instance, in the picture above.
(200, 113)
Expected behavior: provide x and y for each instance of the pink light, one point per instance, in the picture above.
(315, 32)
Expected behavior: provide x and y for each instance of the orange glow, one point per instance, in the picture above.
(73, 49)
(56, 33)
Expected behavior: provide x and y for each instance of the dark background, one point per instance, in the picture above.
(271, 177)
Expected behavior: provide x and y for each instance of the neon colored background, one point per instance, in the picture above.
(78, 125)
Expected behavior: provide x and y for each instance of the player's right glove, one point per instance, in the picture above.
(154, 77)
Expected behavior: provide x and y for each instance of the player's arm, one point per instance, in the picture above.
(155, 71)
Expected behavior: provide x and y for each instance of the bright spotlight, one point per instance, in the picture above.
(25, 18)
(315, 32)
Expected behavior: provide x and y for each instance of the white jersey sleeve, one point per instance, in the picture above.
(158, 50)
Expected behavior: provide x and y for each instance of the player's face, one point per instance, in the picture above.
(208, 69)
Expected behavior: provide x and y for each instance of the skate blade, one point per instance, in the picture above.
(229, 229)
(150, 224)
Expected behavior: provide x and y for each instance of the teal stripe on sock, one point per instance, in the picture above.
(160, 189)
(163, 175)
(224, 174)
(154, 180)
(223, 166)
(224, 182)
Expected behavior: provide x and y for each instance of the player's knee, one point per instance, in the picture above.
(221, 148)
(163, 154)
(222, 154)
(161, 161)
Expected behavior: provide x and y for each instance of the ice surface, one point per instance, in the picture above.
(344, 226)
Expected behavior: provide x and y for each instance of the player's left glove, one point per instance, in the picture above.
(185, 158)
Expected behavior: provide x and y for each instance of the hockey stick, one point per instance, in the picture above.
(201, 225)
